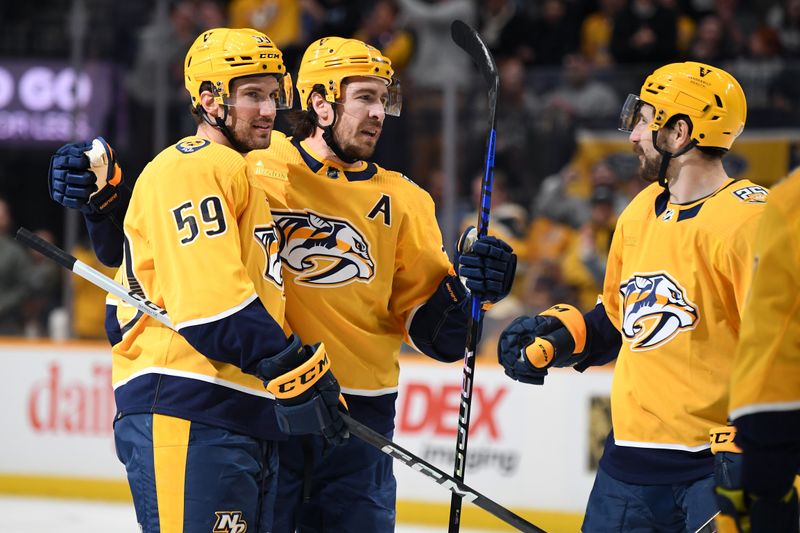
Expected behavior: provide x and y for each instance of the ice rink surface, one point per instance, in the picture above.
(36, 515)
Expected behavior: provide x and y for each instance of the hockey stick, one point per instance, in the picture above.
(710, 526)
(358, 429)
(469, 40)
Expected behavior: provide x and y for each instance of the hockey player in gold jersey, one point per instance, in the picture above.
(670, 313)
(765, 387)
(365, 270)
(196, 427)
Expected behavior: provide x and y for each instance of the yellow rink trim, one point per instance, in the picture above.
(472, 517)
(62, 487)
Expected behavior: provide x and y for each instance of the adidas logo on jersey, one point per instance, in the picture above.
(655, 309)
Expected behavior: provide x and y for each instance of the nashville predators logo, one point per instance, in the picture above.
(268, 238)
(229, 522)
(322, 250)
(655, 309)
(755, 194)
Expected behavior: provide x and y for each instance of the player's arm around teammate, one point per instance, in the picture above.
(196, 424)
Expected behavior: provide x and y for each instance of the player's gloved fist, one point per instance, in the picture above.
(740, 511)
(85, 176)
(486, 265)
(531, 345)
(306, 392)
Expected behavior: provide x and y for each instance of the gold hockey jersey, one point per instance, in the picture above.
(361, 250)
(201, 243)
(766, 374)
(675, 287)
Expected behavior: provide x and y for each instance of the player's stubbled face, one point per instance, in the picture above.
(253, 108)
(642, 139)
(361, 114)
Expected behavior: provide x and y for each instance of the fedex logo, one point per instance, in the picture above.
(428, 408)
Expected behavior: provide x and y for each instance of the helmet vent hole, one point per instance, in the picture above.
(661, 87)
(246, 58)
(718, 99)
(651, 91)
(702, 135)
(715, 117)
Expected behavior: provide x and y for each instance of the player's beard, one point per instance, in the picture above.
(349, 145)
(648, 170)
(248, 138)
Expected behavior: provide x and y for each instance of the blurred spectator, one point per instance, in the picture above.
(762, 64)
(507, 220)
(437, 64)
(379, 28)
(14, 277)
(45, 290)
(554, 33)
(555, 202)
(504, 27)
(711, 44)
(584, 263)
(685, 29)
(785, 18)
(280, 20)
(739, 22)
(164, 46)
(517, 112)
(580, 97)
(645, 33)
(323, 18)
(785, 95)
(88, 300)
(596, 32)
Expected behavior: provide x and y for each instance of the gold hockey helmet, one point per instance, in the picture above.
(330, 60)
(709, 96)
(222, 54)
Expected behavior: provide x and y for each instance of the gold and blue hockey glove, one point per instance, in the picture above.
(486, 265)
(742, 511)
(531, 345)
(308, 397)
(85, 176)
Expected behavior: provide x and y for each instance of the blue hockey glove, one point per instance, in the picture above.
(486, 265)
(531, 345)
(306, 392)
(85, 176)
(741, 511)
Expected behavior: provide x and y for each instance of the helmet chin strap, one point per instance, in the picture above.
(666, 156)
(327, 136)
(219, 123)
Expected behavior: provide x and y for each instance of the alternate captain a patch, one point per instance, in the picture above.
(324, 251)
(754, 194)
(192, 145)
(655, 309)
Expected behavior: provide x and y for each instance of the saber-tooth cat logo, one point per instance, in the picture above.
(655, 309)
(322, 250)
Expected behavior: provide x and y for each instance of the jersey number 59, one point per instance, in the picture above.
(212, 219)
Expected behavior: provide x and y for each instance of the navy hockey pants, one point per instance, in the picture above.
(618, 506)
(352, 488)
(187, 477)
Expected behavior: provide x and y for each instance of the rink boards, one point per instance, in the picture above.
(531, 449)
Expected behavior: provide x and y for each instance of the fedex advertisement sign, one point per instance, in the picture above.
(47, 101)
